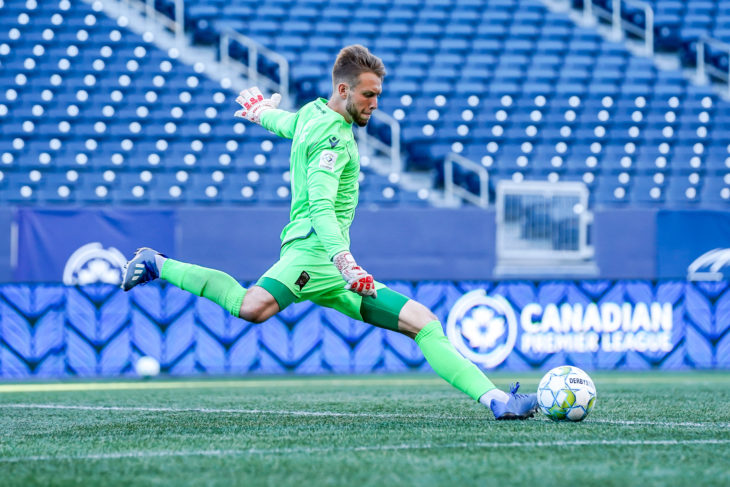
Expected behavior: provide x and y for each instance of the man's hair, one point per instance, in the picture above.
(354, 60)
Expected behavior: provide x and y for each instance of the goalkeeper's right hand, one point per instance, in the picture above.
(358, 280)
(254, 104)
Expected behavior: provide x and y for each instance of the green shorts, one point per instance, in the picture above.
(304, 272)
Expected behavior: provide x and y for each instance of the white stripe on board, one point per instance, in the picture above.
(309, 450)
(282, 412)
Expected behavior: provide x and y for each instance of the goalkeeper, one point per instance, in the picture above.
(316, 263)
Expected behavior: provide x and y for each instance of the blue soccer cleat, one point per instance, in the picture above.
(519, 406)
(141, 269)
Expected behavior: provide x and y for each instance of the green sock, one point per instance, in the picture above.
(449, 364)
(215, 285)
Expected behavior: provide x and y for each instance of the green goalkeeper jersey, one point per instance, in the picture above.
(325, 166)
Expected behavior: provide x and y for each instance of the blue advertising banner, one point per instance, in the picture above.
(396, 244)
(98, 330)
(80, 246)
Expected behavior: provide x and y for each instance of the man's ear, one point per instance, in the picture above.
(342, 90)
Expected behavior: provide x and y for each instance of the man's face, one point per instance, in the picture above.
(362, 99)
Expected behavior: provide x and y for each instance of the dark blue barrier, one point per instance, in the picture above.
(393, 244)
(53, 330)
(684, 236)
(60, 245)
(625, 243)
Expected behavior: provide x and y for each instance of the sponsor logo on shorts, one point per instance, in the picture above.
(303, 280)
(327, 160)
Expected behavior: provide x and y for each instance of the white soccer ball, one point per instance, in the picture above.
(147, 367)
(566, 393)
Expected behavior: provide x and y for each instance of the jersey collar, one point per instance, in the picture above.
(339, 117)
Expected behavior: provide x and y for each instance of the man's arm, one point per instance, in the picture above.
(280, 122)
(325, 167)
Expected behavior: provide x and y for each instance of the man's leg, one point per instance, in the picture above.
(255, 304)
(419, 323)
(396, 312)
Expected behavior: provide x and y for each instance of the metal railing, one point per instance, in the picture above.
(255, 49)
(620, 26)
(176, 25)
(703, 68)
(368, 143)
(452, 190)
(391, 151)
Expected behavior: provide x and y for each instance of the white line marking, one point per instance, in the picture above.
(306, 450)
(338, 381)
(197, 384)
(670, 424)
(282, 412)
(240, 411)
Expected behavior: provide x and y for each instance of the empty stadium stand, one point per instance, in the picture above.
(91, 113)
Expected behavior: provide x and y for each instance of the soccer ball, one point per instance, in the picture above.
(147, 367)
(566, 393)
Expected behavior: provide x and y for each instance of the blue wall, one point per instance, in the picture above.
(409, 244)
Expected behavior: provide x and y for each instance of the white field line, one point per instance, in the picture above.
(215, 384)
(334, 414)
(235, 411)
(401, 447)
(324, 382)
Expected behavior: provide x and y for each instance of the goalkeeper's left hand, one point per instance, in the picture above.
(358, 280)
(254, 104)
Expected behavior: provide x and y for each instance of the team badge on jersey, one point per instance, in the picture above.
(327, 160)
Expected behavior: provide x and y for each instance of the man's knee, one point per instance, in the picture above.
(254, 315)
(258, 305)
(414, 317)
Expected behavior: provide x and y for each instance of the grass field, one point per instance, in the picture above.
(647, 429)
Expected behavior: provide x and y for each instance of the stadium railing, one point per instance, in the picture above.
(452, 190)
(706, 70)
(385, 147)
(254, 50)
(621, 26)
(175, 25)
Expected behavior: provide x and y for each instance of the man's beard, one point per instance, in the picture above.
(350, 107)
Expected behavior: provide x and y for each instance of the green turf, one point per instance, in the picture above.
(647, 429)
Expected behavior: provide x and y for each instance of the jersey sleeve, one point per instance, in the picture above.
(280, 122)
(324, 168)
